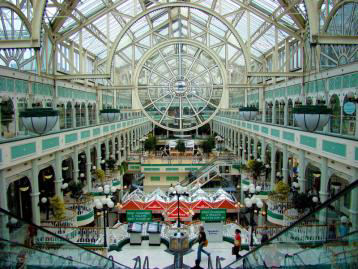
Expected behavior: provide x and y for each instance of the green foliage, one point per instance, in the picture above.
(255, 168)
(180, 146)
(282, 188)
(204, 129)
(59, 211)
(111, 162)
(150, 143)
(7, 113)
(75, 188)
(208, 144)
(100, 174)
(124, 167)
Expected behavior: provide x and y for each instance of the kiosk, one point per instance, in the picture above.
(153, 230)
(135, 233)
(135, 219)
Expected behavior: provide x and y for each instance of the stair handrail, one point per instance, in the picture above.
(329, 201)
(39, 228)
(218, 262)
(146, 263)
(138, 263)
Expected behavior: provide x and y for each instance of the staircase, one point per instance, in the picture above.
(334, 251)
(207, 173)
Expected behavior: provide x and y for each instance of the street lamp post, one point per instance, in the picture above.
(253, 205)
(46, 203)
(178, 191)
(105, 205)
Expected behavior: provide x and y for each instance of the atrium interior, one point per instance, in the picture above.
(178, 134)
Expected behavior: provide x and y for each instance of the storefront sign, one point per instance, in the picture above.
(139, 215)
(213, 215)
(349, 108)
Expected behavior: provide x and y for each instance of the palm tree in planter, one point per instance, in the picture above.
(180, 146)
(150, 143)
(255, 168)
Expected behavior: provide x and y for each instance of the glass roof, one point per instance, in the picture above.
(96, 18)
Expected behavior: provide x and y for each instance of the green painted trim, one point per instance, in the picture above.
(172, 178)
(70, 138)
(0, 155)
(158, 164)
(155, 178)
(308, 141)
(96, 131)
(85, 134)
(274, 215)
(264, 130)
(171, 169)
(116, 183)
(119, 125)
(152, 169)
(356, 154)
(191, 169)
(113, 127)
(249, 126)
(23, 150)
(288, 136)
(86, 216)
(50, 143)
(256, 127)
(275, 132)
(246, 182)
(335, 148)
(134, 167)
(105, 129)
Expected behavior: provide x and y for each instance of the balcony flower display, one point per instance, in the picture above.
(248, 113)
(110, 114)
(39, 120)
(311, 117)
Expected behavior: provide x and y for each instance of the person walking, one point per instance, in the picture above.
(197, 265)
(237, 244)
(203, 242)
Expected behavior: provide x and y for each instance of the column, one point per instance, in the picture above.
(249, 157)
(114, 146)
(86, 115)
(353, 211)
(301, 172)
(285, 163)
(88, 168)
(74, 123)
(35, 193)
(124, 146)
(119, 149)
(323, 192)
(4, 220)
(255, 148)
(75, 164)
(285, 114)
(263, 151)
(243, 149)
(107, 148)
(273, 165)
(235, 142)
(99, 155)
(58, 175)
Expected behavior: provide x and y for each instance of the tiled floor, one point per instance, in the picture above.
(159, 258)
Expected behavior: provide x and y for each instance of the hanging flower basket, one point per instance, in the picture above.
(39, 120)
(248, 113)
(311, 117)
(110, 114)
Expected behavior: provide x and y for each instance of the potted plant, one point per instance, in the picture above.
(180, 146)
(255, 168)
(248, 113)
(311, 117)
(58, 206)
(150, 143)
(101, 175)
(75, 189)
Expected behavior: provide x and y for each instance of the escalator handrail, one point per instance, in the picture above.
(328, 202)
(146, 263)
(3, 211)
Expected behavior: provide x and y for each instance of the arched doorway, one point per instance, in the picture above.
(19, 198)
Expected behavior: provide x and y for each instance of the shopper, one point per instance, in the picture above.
(203, 242)
(237, 244)
(197, 265)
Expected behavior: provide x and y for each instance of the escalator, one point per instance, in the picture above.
(337, 249)
(20, 247)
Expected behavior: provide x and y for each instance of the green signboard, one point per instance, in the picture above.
(139, 215)
(213, 215)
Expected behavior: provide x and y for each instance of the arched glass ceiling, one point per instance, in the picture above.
(249, 19)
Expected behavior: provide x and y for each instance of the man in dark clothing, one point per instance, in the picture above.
(197, 265)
